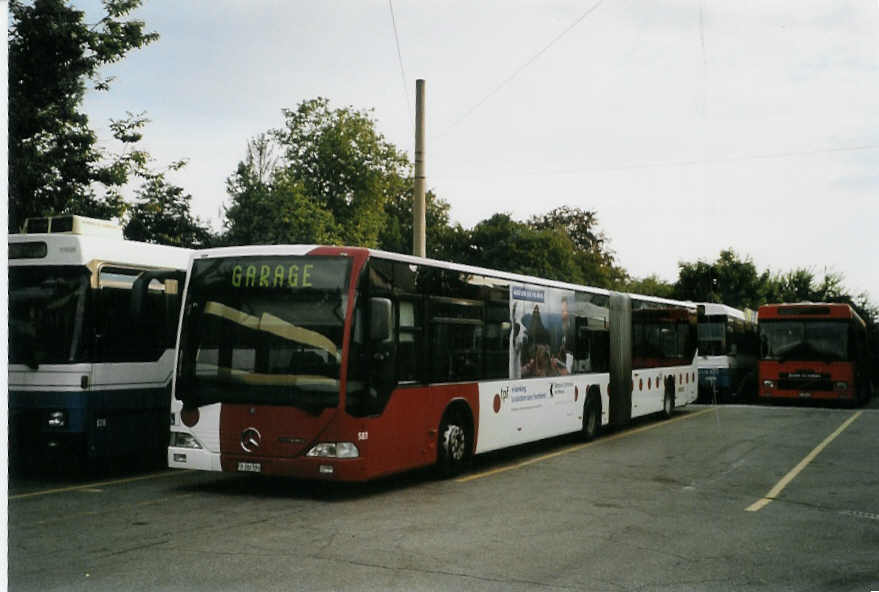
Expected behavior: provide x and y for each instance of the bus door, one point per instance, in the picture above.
(136, 317)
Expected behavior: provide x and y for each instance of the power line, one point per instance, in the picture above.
(688, 163)
(522, 67)
(402, 70)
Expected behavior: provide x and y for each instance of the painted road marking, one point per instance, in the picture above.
(544, 457)
(91, 487)
(773, 493)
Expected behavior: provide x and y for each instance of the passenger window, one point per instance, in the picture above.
(456, 339)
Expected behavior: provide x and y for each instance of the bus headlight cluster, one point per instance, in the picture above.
(184, 440)
(57, 419)
(770, 384)
(840, 387)
(334, 450)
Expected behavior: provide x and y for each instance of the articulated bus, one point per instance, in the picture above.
(349, 363)
(92, 325)
(813, 351)
(727, 352)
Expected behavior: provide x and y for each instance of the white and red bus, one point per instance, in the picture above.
(813, 351)
(350, 363)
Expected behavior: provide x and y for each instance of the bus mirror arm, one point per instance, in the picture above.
(142, 285)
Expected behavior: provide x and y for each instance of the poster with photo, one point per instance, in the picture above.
(542, 332)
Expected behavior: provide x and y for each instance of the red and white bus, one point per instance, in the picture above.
(813, 351)
(350, 363)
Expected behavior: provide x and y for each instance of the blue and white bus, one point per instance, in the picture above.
(727, 339)
(92, 324)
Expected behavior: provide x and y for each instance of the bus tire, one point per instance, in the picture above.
(453, 447)
(591, 420)
(668, 404)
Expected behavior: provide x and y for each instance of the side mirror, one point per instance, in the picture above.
(380, 319)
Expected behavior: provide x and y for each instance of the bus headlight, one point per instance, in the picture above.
(334, 450)
(183, 440)
(770, 384)
(57, 419)
(840, 386)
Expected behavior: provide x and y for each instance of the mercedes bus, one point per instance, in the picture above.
(349, 363)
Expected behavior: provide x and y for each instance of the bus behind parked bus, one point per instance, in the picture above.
(813, 351)
(727, 353)
(92, 323)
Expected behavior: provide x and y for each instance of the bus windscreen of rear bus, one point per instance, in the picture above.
(264, 330)
(804, 340)
(47, 305)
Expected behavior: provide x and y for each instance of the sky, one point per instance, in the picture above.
(689, 126)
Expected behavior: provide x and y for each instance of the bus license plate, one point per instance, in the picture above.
(249, 467)
(805, 395)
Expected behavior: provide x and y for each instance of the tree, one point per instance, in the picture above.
(596, 261)
(331, 183)
(441, 236)
(55, 163)
(502, 243)
(161, 214)
(270, 206)
(651, 285)
(344, 165)
(730, 280)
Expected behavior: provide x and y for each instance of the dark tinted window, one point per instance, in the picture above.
(122, 337)
(47, 314)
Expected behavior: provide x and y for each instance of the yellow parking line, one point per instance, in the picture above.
(617, 436)
(91, 486)
(773, 493)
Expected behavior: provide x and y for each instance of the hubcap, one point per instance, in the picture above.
(454, 442)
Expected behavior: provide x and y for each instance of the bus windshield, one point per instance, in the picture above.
(47, 305)
(804, 340)
(712, 337)
(264, 330)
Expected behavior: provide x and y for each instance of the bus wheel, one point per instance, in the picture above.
(591, 420)
(668, 405)
(453, 446)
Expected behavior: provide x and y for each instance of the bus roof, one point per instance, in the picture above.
(277, 250)
(73, 249)
(717, 309)
(808, 310)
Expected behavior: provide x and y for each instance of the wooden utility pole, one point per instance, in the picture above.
(419, 239)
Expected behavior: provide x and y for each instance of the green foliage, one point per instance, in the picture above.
(54, 160)
(161, 215)
(729, 280)
(442, 237)
(271, 206)
(735, 282)
(651, 285)
(502, 243)
(596, 262)
(332, 182)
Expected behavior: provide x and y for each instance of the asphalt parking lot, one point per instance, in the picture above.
(726, 498)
